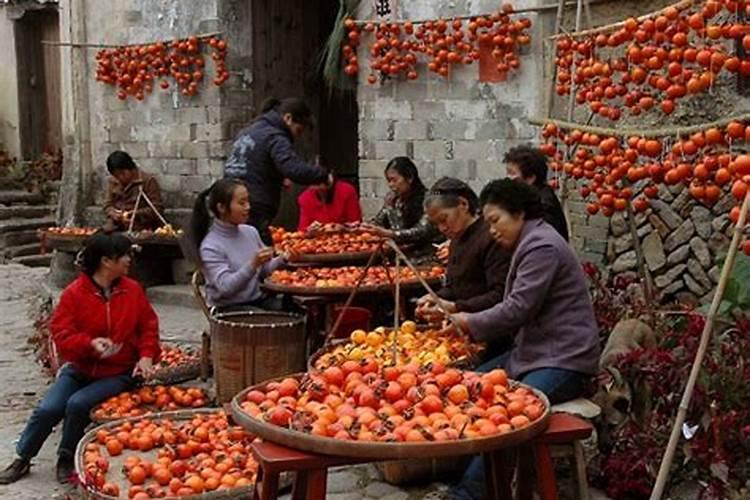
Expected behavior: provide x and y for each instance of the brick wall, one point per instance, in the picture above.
(182, 140)
(458, 127)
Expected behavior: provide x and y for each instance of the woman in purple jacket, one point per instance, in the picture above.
(546, 307)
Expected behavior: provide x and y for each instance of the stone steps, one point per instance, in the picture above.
(8, 197)
(25, 211)
(17, 238)
(19, 224)
(33, 260)
(22, 250)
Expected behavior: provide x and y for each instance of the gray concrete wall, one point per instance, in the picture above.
(9, 138)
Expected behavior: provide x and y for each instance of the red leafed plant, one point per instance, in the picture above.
(716, 442)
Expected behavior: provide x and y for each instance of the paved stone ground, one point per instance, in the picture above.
(23, 384)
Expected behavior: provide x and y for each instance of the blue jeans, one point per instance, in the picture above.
(557, 384)
(71, 397)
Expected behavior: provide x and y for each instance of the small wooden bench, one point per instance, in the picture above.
(312, 469)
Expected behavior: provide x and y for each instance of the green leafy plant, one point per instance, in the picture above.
(736, 299)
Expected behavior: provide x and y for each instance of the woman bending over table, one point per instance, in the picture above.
(402, 217)
(333, 202)
(546, 307)
(107, 333)
(232, 256)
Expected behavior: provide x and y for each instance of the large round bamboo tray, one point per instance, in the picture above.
(117, 462)
(386, 451)
(345, 290)
(63, 242)
(465, 362)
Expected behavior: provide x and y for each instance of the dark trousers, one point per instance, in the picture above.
(557, 384)
(71, 397)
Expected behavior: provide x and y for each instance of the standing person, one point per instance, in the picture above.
(546, 308)
(333, 202)
(108, 333)
(263, 156)
(402, 217)
(529, 165)
(125, 183)
(232, 256)
(477, 266)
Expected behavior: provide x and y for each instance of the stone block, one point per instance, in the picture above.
(675, 287)
(372, 169)
(398, 110)
(698, 272)
(492, 129)
(520, 128)
(136, 150)
(475, 150)
(702, 219)
(194, 150)
(220, 149)
(693, 285)
(460, 169)
(724, 205)
(386, 150)
(715, 274)
(718, 243)
(598, 222)
(679, 255)
(170, 182)
(163, 149)
(666, 214)
(623, 243)
(462, 109)
(659, 225)
(410, 130)
(682, 201)
(377, 130)
(670, 276)
(433, 150)
(163, 116)
(179, 167)
(121, 134)
(701, 251)
(452, 129)
(203, 167)
(720, 224)
(595, 246)
(210, 132)
(618, 224)
(680, 236)
(429, 110)
(653, 252)
(210, 25)
(197, 114)
(489, 170)
(625, 262)
(194, 183)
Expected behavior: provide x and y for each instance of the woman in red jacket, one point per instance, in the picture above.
(334, 202)
(108, 334)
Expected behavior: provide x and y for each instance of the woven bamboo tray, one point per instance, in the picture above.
(117, 462)
(150, 410)
(386, 451)
(345, 290)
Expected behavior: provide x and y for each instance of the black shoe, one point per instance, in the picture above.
(15, 471)
(65, 469)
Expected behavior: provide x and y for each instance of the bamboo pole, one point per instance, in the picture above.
(571, 109)
(552, 56)
(541, 8)
(666, 463)
(113, 46)
(681, 5)
(397, 309)
(627, 132)
(640, 258)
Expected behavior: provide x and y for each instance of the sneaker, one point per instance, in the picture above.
(15, 471)
(65, 469)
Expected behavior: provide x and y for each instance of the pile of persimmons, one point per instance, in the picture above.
(348, 276)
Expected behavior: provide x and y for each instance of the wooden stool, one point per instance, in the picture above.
(311, 471)
(564, 433)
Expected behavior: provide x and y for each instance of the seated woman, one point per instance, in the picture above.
(402, 217)
(232, 256)
(477, 266)
(333, 202)
(107, 333)
(546, 307)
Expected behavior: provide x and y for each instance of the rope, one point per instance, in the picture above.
(111, 46)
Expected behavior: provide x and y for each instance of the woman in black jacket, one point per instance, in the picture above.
(263, 156)
(402, 217)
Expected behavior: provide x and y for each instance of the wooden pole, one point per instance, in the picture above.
(674, 438)
(571, 108)
(643, 271)
(627, 132)
(85, 45)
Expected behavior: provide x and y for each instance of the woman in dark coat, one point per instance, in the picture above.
(263, 156)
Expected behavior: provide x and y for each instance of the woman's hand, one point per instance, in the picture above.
(143, 368)
(290, 255)
(262, 257)
(462, 321)
(433, 312)
(314, 229)
(377, 230)
(104, 347)
(443, 251)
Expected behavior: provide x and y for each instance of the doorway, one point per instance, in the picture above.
(288, 41)
(39, 83)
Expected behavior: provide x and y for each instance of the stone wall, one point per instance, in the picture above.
(458, 127)
(182, 140)
(9, 138)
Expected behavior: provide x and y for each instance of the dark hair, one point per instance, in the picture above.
(120, 160)
(406, 169)
(531, 161)
(515, 197)
(295, 106)
(330, 192)
(448, 191)
(102, 245)
(221, 191)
